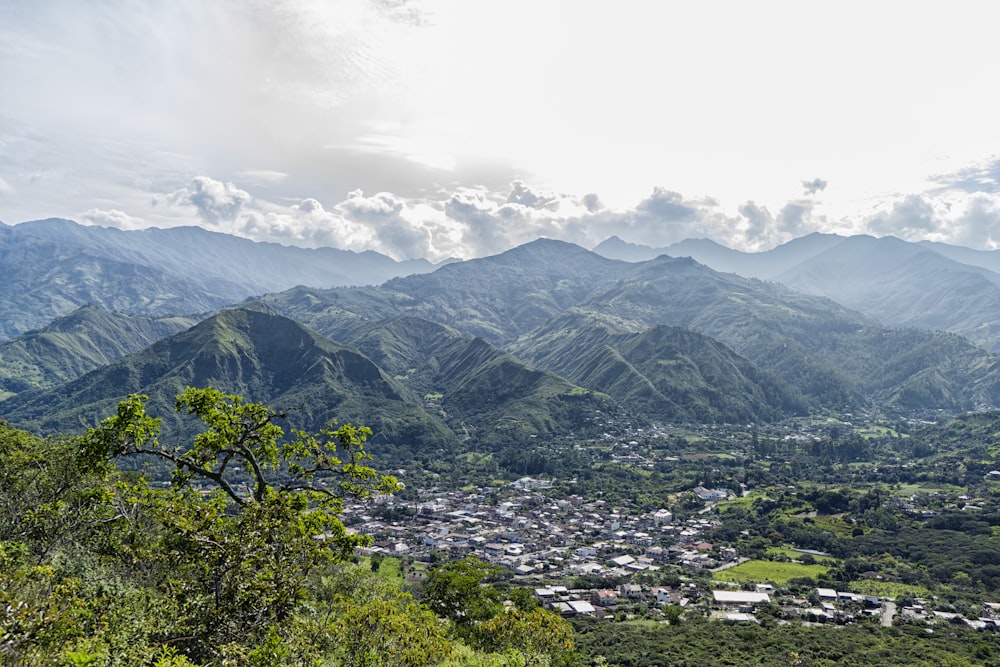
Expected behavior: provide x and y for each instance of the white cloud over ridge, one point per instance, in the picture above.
(473, 222)
(112, 218)
(216, 202)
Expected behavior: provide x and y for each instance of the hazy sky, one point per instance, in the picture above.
(463, 127)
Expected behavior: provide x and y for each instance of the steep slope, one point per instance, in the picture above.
(508, 294)
(399, 345)
(480, 391)
(73, 345)
(664, 373)
(776, 328)
(984, 259)
(832, 356)
(447, 384)
(260, 355)
(926, 285)
(498, 297)
(51, 267)
(501, 399)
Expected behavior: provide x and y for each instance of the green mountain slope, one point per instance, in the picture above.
(665, 373)
(482, 392)
(262, 356)
(75, 344)
(905, 284)
(927, 285)
(502, 400)
(399, 345)
(832, 356)
(446, 386)
(497, 298)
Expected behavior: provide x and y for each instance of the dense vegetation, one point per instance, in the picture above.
(241, 560)
(697, 642)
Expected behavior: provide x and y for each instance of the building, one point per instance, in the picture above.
(743, 601)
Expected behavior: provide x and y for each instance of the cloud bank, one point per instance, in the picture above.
(474, 222)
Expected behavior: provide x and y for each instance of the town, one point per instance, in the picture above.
(584, 555)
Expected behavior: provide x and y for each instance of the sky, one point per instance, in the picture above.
(462, 128)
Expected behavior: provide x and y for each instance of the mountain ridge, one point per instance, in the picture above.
(54, 266)
(928, 285)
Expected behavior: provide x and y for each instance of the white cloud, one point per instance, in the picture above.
(794, 218)
(979, 223)
(526, 196)
(393, 227)
(217, 202)
(379, 207)
(980, 177)
(912, 216)
(6, 188)
(112, 218)
(956, 216)
(814, 186)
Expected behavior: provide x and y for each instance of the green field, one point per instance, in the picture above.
(744, 502)
(834, 523)
(389, 568)
(761, 571)
(905, 490)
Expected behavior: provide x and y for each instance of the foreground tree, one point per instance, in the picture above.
(520, 635)
(459, 591)
(239, 562)
(250, 513)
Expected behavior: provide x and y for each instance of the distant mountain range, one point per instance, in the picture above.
(48, 268)
(545, 339)
(827, 355)
(926, 285)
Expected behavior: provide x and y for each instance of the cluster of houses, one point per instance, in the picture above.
(521, 529)
(615, 551)
(822, 605)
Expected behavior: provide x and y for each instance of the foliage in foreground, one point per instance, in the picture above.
(241, 561)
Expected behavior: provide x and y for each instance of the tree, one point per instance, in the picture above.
(251, 511)
(525, 633)
(673, 613)
(243, 443)
(458, 591)
(541, 636)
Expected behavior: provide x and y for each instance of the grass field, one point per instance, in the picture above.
(906, 490)
(761, 571)
(834, 523)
